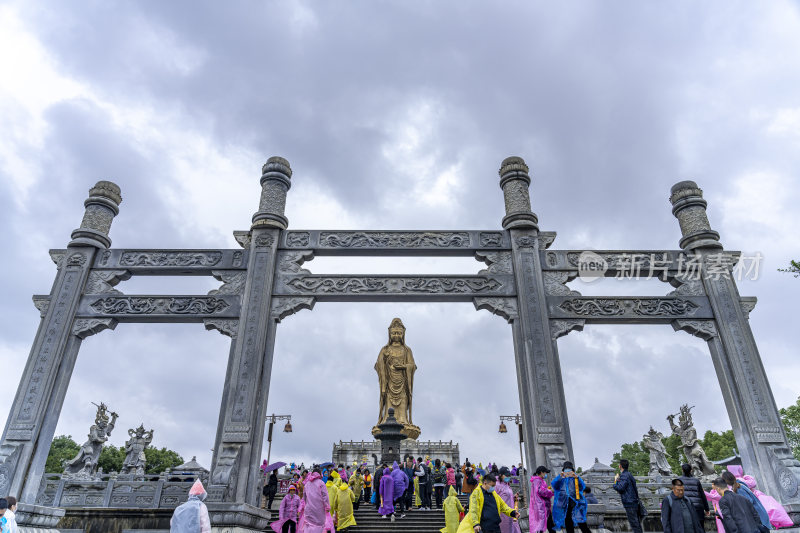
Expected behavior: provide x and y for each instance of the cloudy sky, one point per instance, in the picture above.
(396, 115)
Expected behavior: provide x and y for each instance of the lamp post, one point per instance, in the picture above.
(273, 419)
(503, 429)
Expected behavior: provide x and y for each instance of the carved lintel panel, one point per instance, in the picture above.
(395, 285)
(555, 283)
(550, 434)
(227, 326)
(159, 258)
(491, 239)
(86, 327)
(705, 329)
(748, 304)
(285, 306)
(104, 281)
(152, 305)
(768, 434)
(243, 238)
(559, 328)
(42, 303)
(298, 239)
(504, 307)
(498, 262)
(232, 281)
(633, 309)
(291, 262)
(394, 239)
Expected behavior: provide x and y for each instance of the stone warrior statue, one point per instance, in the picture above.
(658, 453)
(395, 368)
(134, 451)
(694, 453)
(84, 465)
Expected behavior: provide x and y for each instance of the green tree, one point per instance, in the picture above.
(111, 458)
(718, 446)
(790, 416)
(63, 448)
(160, 460)
(637, 455)
(794, 268)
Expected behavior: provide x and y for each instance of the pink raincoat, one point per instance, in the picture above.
(541, 503)
(778, 516)
(507, 524)
(290, 510)
(315, 508)
(713, 498)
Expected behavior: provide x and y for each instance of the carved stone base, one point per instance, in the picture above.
(237, 518)
(409, 430)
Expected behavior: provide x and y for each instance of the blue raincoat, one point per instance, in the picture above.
(564, 488)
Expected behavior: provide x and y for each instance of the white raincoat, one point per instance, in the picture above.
(192, 516)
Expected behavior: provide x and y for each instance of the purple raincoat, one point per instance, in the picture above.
(400, 481)
(386, 493)
(541, 502)
(290, 509)
(507, 524)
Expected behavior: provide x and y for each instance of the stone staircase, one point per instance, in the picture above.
(416, 521)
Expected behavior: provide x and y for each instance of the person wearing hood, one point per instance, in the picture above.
(356, 484)
(569, 507)
(485, 509)
(289, 512)
(541, 501)
(344, 507)
(452, 512)
(742, 490)
(778, 516)
(191, 516)
(401, 482)
(315, 506)
(331, 485)
(503, 489)
(386, 492)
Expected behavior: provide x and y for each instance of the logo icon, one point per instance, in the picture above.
(591, 266)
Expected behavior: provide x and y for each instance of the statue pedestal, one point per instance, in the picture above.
(369, 451)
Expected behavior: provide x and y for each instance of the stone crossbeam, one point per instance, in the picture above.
(340, 288)
(630, 310)
(159, 308)
(378, 243)
(632, 263)
(170, 262)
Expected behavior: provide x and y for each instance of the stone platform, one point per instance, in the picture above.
(369, 451)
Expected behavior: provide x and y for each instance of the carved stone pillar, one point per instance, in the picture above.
(748, 397)
(545, 425)
(40, 396)
(237, 451)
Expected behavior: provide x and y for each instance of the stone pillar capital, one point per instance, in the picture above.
(276, 175)
(689, 208)
(515, 181)
(102, 206)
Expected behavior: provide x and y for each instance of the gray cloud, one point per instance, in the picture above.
(397, 115)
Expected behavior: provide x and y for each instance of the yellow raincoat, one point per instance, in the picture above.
(452, 508)
(332, 486)
(344, 507)
(473, 517)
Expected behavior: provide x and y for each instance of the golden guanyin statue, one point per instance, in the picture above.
(395, 368)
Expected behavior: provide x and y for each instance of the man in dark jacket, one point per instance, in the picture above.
(425, 484)
(408, 469)
(625, 484)
(271, 489)
(678, 515)
(693, 491)
(738, 514)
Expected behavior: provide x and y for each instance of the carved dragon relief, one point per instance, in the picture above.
(104, 281)
(559, 328)
(86, 327)
(283, 306)
(232, 281)
(504, 307)
(498, 262)
(291, 262)
(705, 329)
